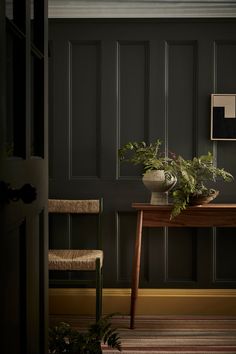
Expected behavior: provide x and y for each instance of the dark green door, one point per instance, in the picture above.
(23, 176)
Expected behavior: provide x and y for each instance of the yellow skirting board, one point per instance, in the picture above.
(150, 301)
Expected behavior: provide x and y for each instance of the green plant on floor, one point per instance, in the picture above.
(64, 339)
(192, 176)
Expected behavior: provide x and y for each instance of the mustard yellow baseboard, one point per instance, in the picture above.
(150, 301)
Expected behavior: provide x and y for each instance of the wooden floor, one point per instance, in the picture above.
(168, 334)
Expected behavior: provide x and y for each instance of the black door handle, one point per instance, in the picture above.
(27, 193)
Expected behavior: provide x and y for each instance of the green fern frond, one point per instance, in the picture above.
(64, 339)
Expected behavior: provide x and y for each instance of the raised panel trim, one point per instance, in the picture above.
(216, 45)
(145, 264)
(215, 278)
(167, 277)
(98, 112)
(142, 9)
(194, 45)
(146, 46)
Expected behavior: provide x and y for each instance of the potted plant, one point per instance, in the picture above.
(158, 174)
(64, 339)
(186, 180)
(192, 179)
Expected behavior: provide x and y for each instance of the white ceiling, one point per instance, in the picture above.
(142, 9)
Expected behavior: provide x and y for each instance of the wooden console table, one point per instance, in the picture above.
(208, 215)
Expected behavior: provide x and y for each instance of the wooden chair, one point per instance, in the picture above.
(77, 259)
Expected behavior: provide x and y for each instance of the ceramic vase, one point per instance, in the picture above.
(159, 183)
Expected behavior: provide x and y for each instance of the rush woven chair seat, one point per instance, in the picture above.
(76, 260)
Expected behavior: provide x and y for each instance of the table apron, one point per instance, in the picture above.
(209, 218)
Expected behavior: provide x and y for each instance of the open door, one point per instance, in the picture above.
(23, 176)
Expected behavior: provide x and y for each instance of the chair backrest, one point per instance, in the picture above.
(80, 206)
(74, 206)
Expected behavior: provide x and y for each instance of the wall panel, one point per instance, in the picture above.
(59, 229)
(225, 73)
(84, 108)
(225, 57)
(224, 251)
(133, 80)
(118, 81)
(223, 240)
(126, 226)
(181, 74)
(181, 245)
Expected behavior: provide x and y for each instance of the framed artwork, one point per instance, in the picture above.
(223, 117)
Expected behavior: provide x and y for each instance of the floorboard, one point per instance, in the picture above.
(168, 334)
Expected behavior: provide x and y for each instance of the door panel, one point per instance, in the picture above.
(15, 289)
(23, 162)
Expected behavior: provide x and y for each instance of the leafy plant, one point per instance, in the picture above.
(192, 176)
(64, 339)
(149, 156)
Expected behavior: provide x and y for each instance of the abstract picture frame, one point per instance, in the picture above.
(223, 116)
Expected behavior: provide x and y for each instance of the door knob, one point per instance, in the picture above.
(27, 193)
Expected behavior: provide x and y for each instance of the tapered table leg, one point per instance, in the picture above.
(136, 268)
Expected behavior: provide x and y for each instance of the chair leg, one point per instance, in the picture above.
(99, 284)
(101, 288)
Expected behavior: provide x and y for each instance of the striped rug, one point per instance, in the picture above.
(171, 335)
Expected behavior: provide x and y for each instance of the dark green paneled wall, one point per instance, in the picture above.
(112, 81)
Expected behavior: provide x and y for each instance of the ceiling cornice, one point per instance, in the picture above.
(142, 9)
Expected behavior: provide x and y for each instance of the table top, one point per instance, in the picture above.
(210, 206)
(207, 215)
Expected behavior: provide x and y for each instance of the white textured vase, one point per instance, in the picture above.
(159, 183)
